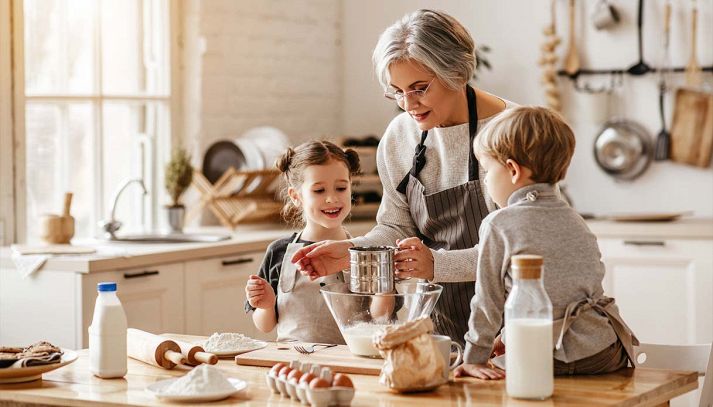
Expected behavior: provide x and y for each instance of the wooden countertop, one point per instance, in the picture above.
(74, 385)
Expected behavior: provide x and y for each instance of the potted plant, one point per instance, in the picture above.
(178, 177)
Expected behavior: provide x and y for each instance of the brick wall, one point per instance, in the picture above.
(254, 63)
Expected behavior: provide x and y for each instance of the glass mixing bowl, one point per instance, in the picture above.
(359, 316)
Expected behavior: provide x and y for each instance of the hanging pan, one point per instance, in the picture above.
(623, 149)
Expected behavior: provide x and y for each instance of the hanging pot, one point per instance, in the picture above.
(623, 149)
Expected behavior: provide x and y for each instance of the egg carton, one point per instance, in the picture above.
(301, 391)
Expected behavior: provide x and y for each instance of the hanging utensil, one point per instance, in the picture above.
(571, 60)
(692, 128)
(693, 69)
(663, 139)
(605, 15)
(623, 149)
(640, 68)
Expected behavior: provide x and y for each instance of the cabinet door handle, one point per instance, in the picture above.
(238, 261)
(645, 243)
(144, 273)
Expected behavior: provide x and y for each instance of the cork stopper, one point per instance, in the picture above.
(526, 266)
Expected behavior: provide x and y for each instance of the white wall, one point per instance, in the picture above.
(513, 29)
(254, 63)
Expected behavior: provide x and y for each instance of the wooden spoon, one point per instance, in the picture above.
(571, 60)
(693, 69)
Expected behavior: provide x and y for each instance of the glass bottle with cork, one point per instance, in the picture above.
(528, 331)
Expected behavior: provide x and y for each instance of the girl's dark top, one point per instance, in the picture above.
(272, 264)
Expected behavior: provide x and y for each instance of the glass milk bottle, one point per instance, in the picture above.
(107, 334)
(528, 332)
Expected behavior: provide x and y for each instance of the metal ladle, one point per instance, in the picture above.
(641, 67)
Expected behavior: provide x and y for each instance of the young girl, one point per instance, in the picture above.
(317, 175)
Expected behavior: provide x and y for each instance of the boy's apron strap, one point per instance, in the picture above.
(605, 306)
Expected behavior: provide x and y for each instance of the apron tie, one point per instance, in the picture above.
(418, 162)
(604, 306)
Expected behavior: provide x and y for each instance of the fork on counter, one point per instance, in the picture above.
(309, 349)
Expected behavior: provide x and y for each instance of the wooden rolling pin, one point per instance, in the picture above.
(196, 354)
(153, 349)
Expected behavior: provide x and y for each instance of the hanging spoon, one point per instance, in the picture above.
(571, 60)
(693, 69)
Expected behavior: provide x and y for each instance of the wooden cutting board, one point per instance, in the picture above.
(692, 129)
(338, 358)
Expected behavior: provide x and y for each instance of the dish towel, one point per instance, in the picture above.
(30, 361)
(28, 264)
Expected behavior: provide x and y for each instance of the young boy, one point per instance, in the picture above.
(525, 152)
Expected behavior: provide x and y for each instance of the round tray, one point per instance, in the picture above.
(28, 374)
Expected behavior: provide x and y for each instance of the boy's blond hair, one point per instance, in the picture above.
(535, 137)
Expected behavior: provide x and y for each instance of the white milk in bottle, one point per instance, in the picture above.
(528, 332)
(107, 334)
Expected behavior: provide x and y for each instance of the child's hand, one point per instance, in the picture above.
(498, 347)
(479, 371)
(259, 293)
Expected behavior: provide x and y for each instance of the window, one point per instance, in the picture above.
(97, 108)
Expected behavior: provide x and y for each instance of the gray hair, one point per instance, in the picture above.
(432, 38)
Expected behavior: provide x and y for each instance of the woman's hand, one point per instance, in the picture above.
(259, 293)
(322, 258)
(479, 371)
(413, 259)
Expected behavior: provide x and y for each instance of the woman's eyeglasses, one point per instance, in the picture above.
(399, 96)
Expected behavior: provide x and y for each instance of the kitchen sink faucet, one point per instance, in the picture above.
(112, 225)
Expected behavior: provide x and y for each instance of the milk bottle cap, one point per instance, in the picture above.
(106, 287)
(526, 266)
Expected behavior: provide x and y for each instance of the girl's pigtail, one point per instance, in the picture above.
(352, 161)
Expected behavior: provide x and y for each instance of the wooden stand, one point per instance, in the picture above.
(237, 196)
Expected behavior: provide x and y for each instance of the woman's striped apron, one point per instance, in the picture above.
(449, 220)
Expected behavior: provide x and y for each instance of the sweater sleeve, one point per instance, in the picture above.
(488, 303)
(393, 220)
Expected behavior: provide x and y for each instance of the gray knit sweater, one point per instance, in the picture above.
(573, 270)
(447, 150)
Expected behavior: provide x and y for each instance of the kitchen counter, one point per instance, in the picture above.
(122, 255)
(74, 385)
(246, 238)
(685, 228)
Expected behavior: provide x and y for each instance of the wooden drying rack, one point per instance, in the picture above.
(237, 196)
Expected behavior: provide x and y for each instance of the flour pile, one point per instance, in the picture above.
(202, 379)
(227, 342)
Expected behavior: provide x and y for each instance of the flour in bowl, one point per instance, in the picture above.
(201, 380)
(227, 342)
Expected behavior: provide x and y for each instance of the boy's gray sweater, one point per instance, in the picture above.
(537, 221)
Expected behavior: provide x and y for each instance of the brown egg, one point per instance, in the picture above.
(318, 383)
(284, 372)
(342, 380)
(306, 378)
(275, 370)
(294, 376)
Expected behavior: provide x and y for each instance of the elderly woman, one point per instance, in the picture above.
(433, 200)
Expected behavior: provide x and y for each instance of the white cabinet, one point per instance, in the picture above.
(664, 287)
(215, 295)
(152, 297)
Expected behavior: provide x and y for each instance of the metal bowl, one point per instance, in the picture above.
(623, 149)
